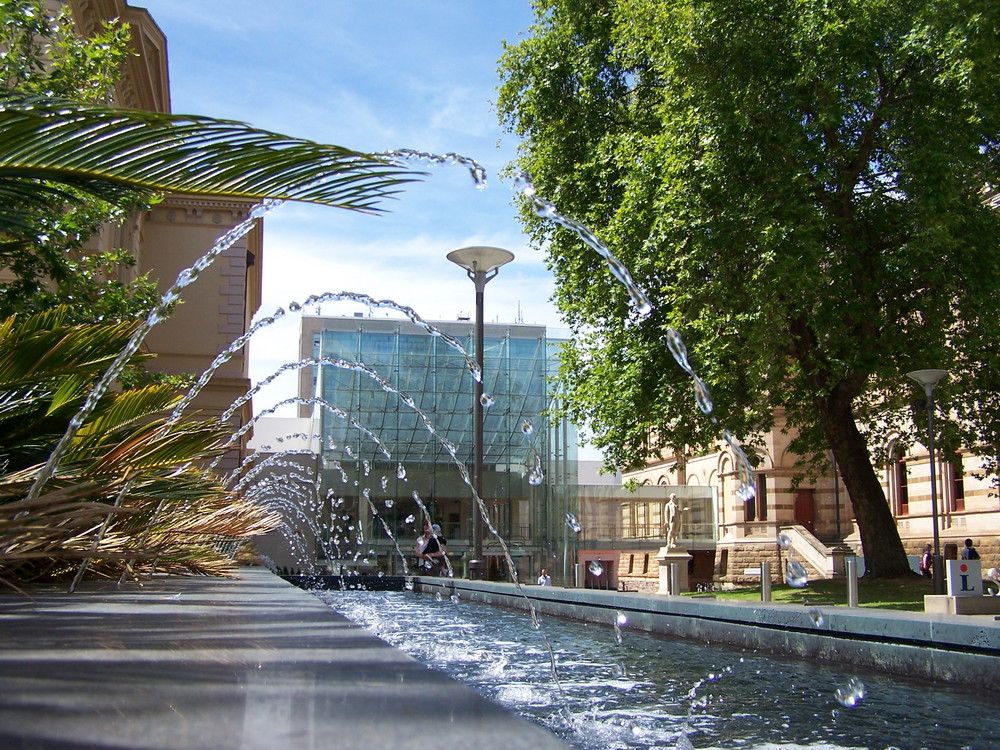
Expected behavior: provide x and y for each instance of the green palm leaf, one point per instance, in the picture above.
(49, 145)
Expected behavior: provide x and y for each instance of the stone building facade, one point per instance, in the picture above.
(176, 232)
(817, 514)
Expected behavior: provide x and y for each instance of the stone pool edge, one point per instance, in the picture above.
(959, 649)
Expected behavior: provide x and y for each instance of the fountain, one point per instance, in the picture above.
(620, 688)
(608, 691)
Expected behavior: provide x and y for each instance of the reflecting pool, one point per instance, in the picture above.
(618, 688)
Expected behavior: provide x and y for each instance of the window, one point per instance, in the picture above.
(761, 499)
(957, 483)
(756, 508)
(901, 483)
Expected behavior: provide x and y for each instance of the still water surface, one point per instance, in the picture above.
(619, 688)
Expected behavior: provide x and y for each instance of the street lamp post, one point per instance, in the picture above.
(929, 380)
(482, 264)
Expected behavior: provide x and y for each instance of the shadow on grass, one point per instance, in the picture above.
(901, 594)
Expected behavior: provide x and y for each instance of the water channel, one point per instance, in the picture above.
(617, 688)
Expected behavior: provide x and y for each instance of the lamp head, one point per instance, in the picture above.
(480, 258)
(927, 378)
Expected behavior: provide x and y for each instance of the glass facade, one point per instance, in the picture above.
(413, 400)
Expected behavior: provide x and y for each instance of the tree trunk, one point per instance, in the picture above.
(885, 556)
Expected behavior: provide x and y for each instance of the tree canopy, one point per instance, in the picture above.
(799, 188)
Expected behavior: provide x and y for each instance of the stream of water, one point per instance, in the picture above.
(619, 688)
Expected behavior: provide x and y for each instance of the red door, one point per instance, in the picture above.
(805, 509)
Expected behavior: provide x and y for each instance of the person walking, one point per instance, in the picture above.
(926, 562)
(544, 579)
(969, 552)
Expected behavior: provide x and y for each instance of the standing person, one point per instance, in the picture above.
(926, 562)
(544, 579)
(969, 552)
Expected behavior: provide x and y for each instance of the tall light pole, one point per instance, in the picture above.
(929, 380)
(482, 264)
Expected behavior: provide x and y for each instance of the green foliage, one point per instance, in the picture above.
(798, 188)
(69, 166)
(129, 471)
(43, 55)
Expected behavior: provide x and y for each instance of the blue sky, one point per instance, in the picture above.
(418, 74)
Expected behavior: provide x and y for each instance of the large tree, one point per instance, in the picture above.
(798, 187)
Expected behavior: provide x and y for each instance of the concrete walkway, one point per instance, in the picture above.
(248, 664)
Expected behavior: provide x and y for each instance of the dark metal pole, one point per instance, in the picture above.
(937, 562)
(481, 264)
(476, 563)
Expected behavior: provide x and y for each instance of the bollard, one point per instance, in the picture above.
(675, 579)
(578, 575)
(852, 581)
(765, 581)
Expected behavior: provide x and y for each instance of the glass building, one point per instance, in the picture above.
(393, 406)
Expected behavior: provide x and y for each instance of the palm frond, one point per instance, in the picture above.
(50, 144)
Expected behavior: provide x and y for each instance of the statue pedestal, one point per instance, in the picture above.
(673, 570)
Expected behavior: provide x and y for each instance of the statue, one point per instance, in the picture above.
(671, 511)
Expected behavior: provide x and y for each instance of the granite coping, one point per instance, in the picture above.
(252, 663)
(938, 630)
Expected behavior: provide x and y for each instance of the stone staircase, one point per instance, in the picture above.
(819, 560)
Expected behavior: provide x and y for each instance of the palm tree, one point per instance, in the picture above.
(129, 491)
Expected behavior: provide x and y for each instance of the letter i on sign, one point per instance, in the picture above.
(964, 577)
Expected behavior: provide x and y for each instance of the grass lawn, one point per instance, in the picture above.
(893, 593)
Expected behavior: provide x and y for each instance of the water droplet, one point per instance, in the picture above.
(410, 519)
(486, 400)
(702, 396)
(795, 574)
(573, 524)
(784, 541)
(595, 567)
(850, 694)
(677, 347)
(401, 472)
(536, 477)
(527, 426)
(454, 598)
(385, 483)
(438, 597)
(621, 619)
(817, 617)
(389, 502)
(746, 493)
